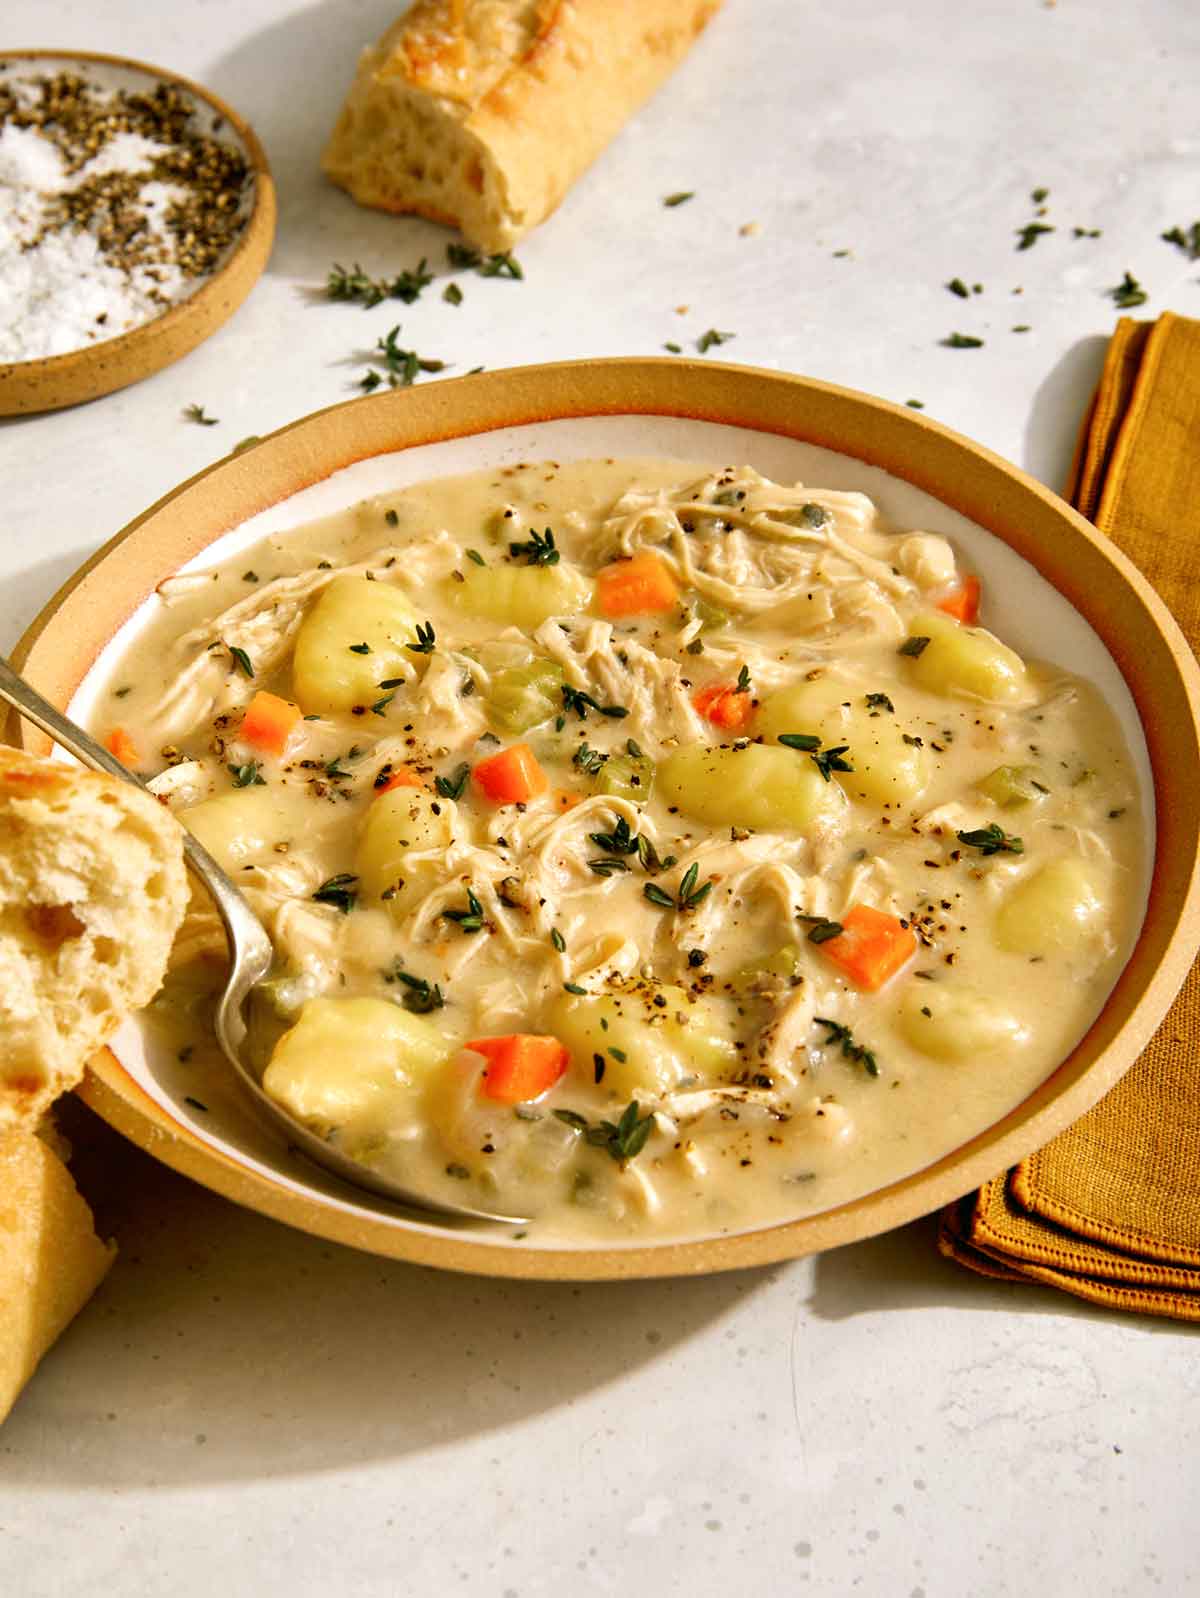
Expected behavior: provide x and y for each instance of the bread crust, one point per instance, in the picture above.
(484, 112)
(92, 891)
(51, 1260)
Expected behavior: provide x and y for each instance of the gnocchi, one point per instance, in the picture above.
(354, 639)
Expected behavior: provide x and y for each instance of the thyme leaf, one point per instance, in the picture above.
(827, 761)
(426, 639)
(468, 920)
(1028, 235)
(420, 997)
(241, 660)
(196, 413)
(1128, 293)
(451, 787)
(991, 839)
(589, 760)
(851, 1050)
(807, 742)
(624, 1139)
(1185, 239)
(538, 549)
(619, 841)
(712, 337)
(340, 892)
(914, 646)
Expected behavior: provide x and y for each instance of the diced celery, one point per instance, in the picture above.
(786, 962)
(521, 697)
(1010, 786)
(709, 615)
(626, 777)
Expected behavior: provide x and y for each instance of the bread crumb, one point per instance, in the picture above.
(750, 230)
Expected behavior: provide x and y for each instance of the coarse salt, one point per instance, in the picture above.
(66, 284)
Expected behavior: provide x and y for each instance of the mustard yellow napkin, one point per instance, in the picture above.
(1110, 1210)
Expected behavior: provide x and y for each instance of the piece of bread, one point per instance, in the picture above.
(482, 113)
(92, 889)
(51, 1260)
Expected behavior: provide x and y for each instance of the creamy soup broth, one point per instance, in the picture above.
(758, 870)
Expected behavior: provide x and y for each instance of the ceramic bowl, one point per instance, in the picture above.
(54, 382)
(1061, 590)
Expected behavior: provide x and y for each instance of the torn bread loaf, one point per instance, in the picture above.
(482, 113)
(51, 1260)
(92, 889)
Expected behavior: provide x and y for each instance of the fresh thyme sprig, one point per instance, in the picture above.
(1028, 235)
(463, 258)
(619, 841)
(688, 895)
(827, 761)
(339, 891)
(850, 1049)
(426, 639)
(470, 919)
(241, 660)
(356, 287)
(991, 839)
(420, 996)
(248, 776)
(538, 549)
(589, 760)
(1128, 293)
(708, 340)
(1185, 239)
(451, 787)
(623, 1140)
(575, 700)
(400, 366)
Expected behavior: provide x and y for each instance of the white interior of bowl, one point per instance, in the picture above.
(1022, 606)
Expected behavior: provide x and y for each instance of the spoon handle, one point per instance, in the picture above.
(241, 925)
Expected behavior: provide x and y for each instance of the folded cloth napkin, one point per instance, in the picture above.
(1110, 1210)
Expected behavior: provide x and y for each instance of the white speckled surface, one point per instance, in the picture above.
(247, 1411)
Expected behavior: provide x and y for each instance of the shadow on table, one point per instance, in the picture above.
(1058, 410)
(27, 590)
(289, 79)
(224, 1346)
(902, 1270)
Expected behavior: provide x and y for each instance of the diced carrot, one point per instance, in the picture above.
(399, 777)
(724, 706)
(269, 722)
(511, 777)
(635, 587)
(963, 602)
(871, 947)
(120, 743)
(566, 799)
(520, 1067)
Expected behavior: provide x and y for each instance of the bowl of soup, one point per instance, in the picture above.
(713, 814)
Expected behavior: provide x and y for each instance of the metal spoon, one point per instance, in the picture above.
(250, 957)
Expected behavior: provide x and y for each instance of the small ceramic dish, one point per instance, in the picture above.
(98, 368)
(1061, 590)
